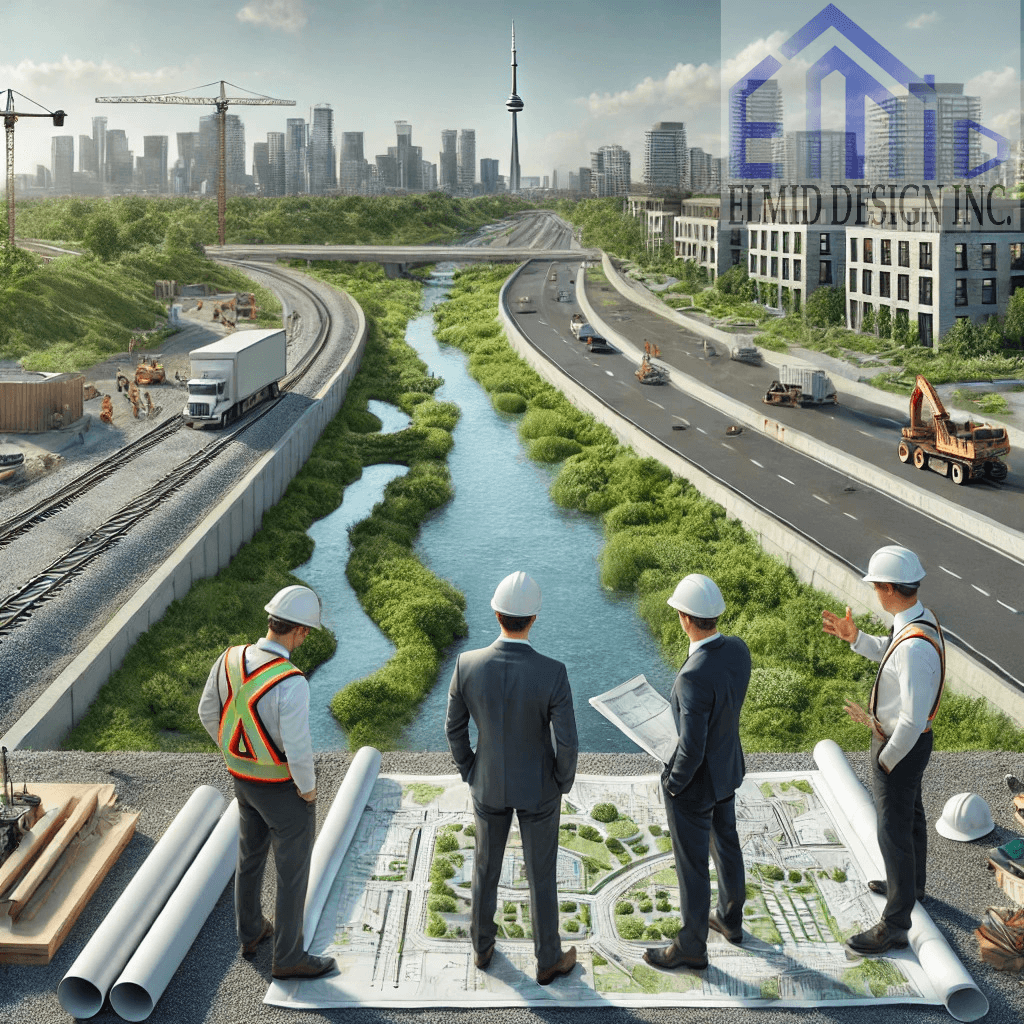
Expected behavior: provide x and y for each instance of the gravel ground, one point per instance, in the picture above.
(215, 984)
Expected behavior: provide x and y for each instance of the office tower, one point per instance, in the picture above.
(323, 175)
(120, 163)
(99, 141)
(554, 180)
(514, 105)
(583, 180)
(764, 103)
(188, 155)
(467, 161)
(154, 163)
(814, 156)
(275, 164)
(448, 161)
(208, 154)
(62, 162)
(408, 159)
(354, 172)
(701, 173)
(609, 171)
(86, 154)
(295, 156)
(261, 167)
(666, 158)
(43, 177)
(428, 176)
(488, 175)
(387, 170)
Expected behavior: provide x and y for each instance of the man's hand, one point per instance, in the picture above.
(842, 628)
(861, 717)
(308, 797)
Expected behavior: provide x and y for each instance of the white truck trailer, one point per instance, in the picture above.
(230, 376)
(799, 385)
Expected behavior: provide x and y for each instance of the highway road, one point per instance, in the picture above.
(977, 593)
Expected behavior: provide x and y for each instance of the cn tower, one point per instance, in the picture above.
(514, 104)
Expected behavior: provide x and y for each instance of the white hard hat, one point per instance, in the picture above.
(966, 816)
(296, 604)
(893, 564)
(698, 596)
(517, 594)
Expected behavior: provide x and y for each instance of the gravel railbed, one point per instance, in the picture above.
(215, 984)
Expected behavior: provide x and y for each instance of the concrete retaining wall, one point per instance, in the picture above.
(206, 550)
(808, 561)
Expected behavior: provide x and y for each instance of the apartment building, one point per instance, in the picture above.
(701, 234)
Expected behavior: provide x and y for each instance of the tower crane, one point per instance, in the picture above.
(221, 102)
(10, 117)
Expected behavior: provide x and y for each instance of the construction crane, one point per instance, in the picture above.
(10, 117)
(221, 102)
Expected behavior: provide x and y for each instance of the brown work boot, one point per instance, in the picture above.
(563, 966)
(311, 967)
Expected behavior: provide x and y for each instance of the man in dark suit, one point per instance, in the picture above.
(701, 781)
(525, 759)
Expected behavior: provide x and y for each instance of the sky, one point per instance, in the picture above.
(591, 72)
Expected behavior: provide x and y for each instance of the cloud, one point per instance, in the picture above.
(923, 19)
(72, 74)
(284, 15)
(686, 84)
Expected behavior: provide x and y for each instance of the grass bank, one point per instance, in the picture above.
(150, 702)
(660, 528)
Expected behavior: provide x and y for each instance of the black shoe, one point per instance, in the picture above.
(671, 957)
(877, 940)
(564, 966)
(878, 885)
(734, 935)
(249, 948)
(310, 967)
(483, 960)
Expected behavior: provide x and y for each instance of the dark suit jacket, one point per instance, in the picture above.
(518, 699)
(706, 700)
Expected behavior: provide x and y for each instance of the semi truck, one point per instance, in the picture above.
(798, 385)
(230, 376)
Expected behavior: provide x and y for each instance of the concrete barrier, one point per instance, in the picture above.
(807, 559)
(203, 553)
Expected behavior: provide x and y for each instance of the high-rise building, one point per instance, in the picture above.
(275, 164)
(154, 163)
(428, 176)
(514, 105)
(295, 156)
(467, 161)
(86, 154)
(666, 158)
(448, 162)
(583, 180)
(763, 103)
(354, 172)
(188, 155)
(488, 175)
(99, 141)
(261, 167)
(62, 162)
(120, 163)
(208, 154)
(408, 159)
(609, 171)
(701, 170)
(323, 175)
(815, 156)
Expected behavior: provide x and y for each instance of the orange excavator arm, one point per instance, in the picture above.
(923, 390)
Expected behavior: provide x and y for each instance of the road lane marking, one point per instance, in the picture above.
(847, 514)
(681, 419)
(658, 404)
(785, 480)
(729, 446)
(821, 499)
(951, 573)
(980, 591)
(864, 432)
(758, 464)
(702, 430)
(609, 372)
(1007, 607)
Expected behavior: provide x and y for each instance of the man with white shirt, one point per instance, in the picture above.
(903, 702)
(256, 707)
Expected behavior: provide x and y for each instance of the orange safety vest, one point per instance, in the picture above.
(919, 629)
(249, 750)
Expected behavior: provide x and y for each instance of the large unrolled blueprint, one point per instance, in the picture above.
(160, 953)
(962, 997)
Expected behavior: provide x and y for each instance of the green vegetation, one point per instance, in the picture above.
(567, 907)
(655, 830)
(838, 875)
(624, 907)
(622, 828)
(770, 872)
(629, 927)
(604, 812)
(598, 961)
(795, 876)
(770, 987)
(423, 792)
(447, 843)
(589, 832)
(436, 926)
(803, 785)
(875, 975)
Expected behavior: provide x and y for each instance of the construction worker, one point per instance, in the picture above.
(256, 708)
(903, 702)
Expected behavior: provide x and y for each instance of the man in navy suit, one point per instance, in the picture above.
(701, 780)
(525, 759)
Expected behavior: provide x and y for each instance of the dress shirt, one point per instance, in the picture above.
(695, 645)
(284, 712)
(907, 687)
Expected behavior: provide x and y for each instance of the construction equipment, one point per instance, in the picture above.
(150, 373)
(746, 354)
(18, 811)
(648, 373)
(799, 386)
(576, 321)
(963, 451)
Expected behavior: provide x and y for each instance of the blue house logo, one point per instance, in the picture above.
(860, 86)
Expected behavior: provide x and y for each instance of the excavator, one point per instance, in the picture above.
(962, 451)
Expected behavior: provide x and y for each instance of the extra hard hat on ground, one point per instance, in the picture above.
(966, 816)
(295, 604)
(893, 564)
(698, 596)
(517, 594)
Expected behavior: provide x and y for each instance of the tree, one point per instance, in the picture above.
(884, 322)
(867, 324)
(962, 339)
(103, 236)
(826, 307)
(604, 812)
(1013, 322)
(901, 328)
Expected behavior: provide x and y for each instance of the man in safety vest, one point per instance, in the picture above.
(903, 703)
(256, 708)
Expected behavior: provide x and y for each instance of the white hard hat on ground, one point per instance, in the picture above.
(893, 564)
(296, 604)
(517, 594)
(966, 816)
(698, 596)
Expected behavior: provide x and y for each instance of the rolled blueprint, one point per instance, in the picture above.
(957, 989)
(85, 986)
(160, 953)
(338, 828)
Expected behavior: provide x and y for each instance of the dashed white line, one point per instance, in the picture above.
(681, 419)
(702, 430)
(729, 446)
(609, 372)
(848, 516)
(980, 591)
(864, 432)
(950, 572)
(758, 464)
(785, 480)
(1007, 607)
(658, 404)
(821, 499)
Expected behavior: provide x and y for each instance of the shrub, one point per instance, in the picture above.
(629, 927)
(509, 907)
(664, 906)
(508, 402)
(441, 904)
(604, 812)
(838, 875)
(795, 876)
(589, 832)
(441, 870)
(567, 907)
(515, 931)
(553, 449)
(614, 845)
(447, 843)
(436, 926)
(771, 872)
(624, 908)
(655, 830)
(571, 925)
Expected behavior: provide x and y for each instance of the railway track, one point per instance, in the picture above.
(19, 606)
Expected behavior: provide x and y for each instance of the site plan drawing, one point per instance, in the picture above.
(396, 913)
(642, 714)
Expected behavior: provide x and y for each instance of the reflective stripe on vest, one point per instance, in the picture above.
(249, 750)
(919, 629)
